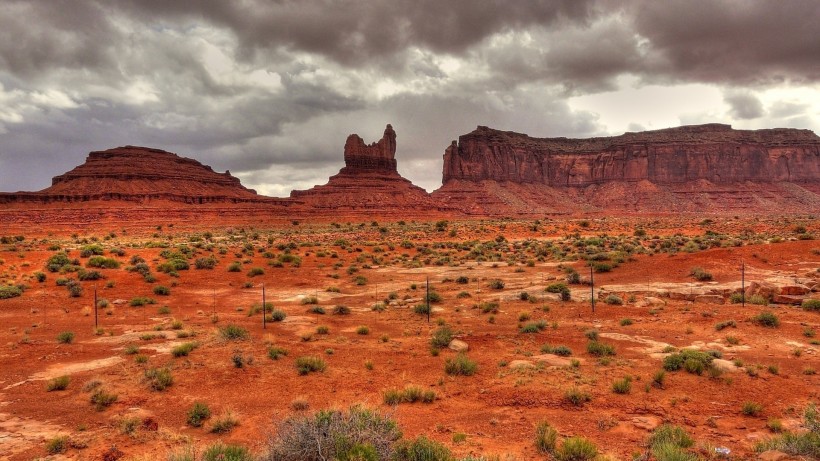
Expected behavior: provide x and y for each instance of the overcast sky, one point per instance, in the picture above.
(271, 89)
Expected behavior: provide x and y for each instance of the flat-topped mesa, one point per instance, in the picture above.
(377, 156)
(713, 152)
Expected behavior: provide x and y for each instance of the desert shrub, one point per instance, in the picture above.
(811, 305)
(577, 396)
(56, 262)
(576, 449)
(183, 349)
(65, 337)
(102, 399)
(159, 379)
(462, 280)
(235, 267)
(806, 444)
(622, 386)
(669, 434)
(533, 327)
(591, 335)
(725, 324)
(255, 271)
(222, 452)
(699, 274)
(59, 383)
(422, 309)
(161, 290)
(560, 288)
(600, 349)
(496, 284)
(561, 350)
(90, 250)
(103, 262)
(198, 413)
(357, 434)
(758, 300)
(141, 301)
(84, 275)
(58, 445)
(74, 289)
(751, 408)
(441, 337)
(274, 352)
(205, 263)
(602, 267)
(7, 292)
(695, 362)
(626, 322)
(40, 276)
(224, 423)
(614, 300)
(658, 378)
(173, 265)
(233, 332)
(277, 315)
(307, 364)
(341, 310)
(736, 298)
(460, 365)
(362, 330)
(545, 437)
(767, 319)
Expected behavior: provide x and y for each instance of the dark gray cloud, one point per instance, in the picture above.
(271, 89)
(743, 105)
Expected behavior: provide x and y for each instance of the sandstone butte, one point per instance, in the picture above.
(704, 168)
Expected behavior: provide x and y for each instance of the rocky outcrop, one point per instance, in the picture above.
(369, 182)
(692, 168)
(141, 174)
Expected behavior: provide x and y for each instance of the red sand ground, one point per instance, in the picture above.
(496, 409)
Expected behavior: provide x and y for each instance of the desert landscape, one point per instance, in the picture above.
(136, 328)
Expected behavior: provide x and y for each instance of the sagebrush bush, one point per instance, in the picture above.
(576, 449)
(198, 413)
(356, 434)
(767, 319)
(159, 379)
(545, 437)
(307, 364)
(460, 365)
(233, 332)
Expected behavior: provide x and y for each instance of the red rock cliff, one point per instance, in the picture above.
(713, 152)
(379, 156)
(704, 168)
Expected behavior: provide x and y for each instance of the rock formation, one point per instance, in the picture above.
(141, 174)
(692, 168)
(369, 182)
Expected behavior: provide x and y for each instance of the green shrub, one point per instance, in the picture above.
(460, 365)
(626, 322)
(183, 349)
(622, 386)
(362, 330)
(222, 452)
(277, 315)
(725, 324)
(496, 284)
(808, 305)
(141, 301)
(275, 352)
(751, 408)
(614, 300)
(58, 445)
(102, 399)
(173, 265)
(602, 267)
(58, 384)
(545, 437)
(600, 349)
(205, 263)
(699, 274)
(576, 449)
(422, 309)
(669, 434)
(767, 319)
(591, 335)
(56, 262)
(103, 262)
(198, 413)
(224, 424)
(757, 300)
(576, 396)
(308, 364)
(533, 327)
(736, 298)
(233, 332)
(442, 337)
(65, 337)
(234, 267)
(341, 310)
(255, 271)
(421, 449)
(159, 379)
(7, 292)
(695, 362)
(162, 290)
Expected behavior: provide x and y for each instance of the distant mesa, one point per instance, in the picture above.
(142, 174)
(369, 181)
(702, 168)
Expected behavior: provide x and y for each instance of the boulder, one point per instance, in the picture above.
(458, 345)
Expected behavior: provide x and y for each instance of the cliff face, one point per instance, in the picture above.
(369, 182)
(716, 153)
(141, 174)
(692, 167)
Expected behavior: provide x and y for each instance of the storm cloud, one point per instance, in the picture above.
(271, 89)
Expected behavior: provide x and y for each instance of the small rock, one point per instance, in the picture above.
(774, 455)
(458, 345)
(521, 364)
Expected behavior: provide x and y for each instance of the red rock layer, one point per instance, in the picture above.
(692, 168)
